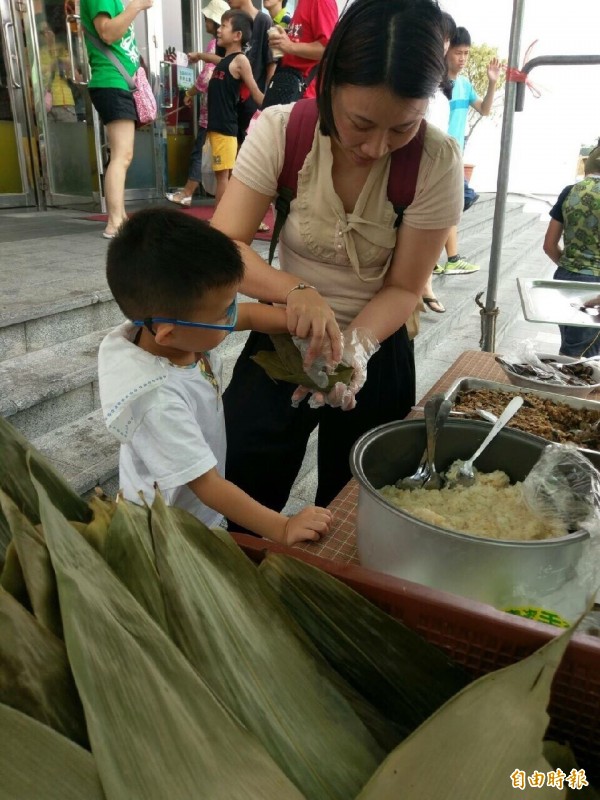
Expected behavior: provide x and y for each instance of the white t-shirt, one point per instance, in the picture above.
(169, 420)
(438, 112)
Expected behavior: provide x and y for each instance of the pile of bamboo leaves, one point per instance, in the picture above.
(144, 656)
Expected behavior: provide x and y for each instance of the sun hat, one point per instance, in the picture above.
(215, 10)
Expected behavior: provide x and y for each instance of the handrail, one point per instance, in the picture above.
(513, 101)
(545, 61)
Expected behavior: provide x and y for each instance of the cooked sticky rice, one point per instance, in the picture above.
(491, 508)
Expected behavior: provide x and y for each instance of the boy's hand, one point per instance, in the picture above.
(309, 524)
(193, 58)
(493, 70)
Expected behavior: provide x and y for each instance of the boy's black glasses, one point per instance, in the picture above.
(231, 313)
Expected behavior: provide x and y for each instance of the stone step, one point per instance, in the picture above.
(84, 453)
(45, 389)
(69, 315)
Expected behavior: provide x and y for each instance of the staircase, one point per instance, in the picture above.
(56, 308)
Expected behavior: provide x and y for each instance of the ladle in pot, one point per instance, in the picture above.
(465, 475)
(416, 480)
(433, 425)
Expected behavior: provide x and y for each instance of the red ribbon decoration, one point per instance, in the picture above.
(518, 76)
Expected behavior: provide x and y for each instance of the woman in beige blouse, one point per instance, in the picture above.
(344, 263)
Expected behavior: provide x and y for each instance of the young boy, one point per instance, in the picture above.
(176, 279)
(278, 12)
(464, 97)
(231, 72)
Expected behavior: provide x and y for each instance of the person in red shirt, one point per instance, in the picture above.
(304, 41)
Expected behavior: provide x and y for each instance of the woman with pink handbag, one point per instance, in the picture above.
(113, 55)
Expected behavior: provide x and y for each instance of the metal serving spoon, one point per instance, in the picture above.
(465, 475)
(433, 425)
(415, 481)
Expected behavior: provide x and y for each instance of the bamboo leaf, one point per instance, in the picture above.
(36, 763)
(12, 579)
(400, 673)
(15, 480)
(129, 552)
(241, 643)
(156, 730)
(35, 677)
(96, 530)
(471, 747)
(285, 364)
(36, 567)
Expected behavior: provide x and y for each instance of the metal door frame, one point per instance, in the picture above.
(17, 84)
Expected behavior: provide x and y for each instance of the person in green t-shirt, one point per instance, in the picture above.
(112, 23)
(278, 12)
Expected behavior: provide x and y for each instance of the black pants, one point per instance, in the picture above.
(267, 438)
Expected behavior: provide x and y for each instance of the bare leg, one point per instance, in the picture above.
(120, 135)
(222, 177)
(429, 298)
(190, 187)
(452, 243)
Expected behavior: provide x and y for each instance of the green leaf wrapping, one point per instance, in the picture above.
(285, 364)
(157, 731)
(235, 634)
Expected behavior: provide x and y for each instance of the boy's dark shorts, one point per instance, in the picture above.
(113, 104)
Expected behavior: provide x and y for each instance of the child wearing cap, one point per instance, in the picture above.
(212, 19)
(159, 376)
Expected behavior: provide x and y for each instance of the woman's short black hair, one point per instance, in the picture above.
(240, 22)
(162, 261)
(461, 38)
(393, 43)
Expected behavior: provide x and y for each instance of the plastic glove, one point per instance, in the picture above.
(359, 345)
(322, 366)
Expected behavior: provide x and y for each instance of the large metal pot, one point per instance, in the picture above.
(502, 573)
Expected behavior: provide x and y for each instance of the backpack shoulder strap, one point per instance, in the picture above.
(402, 179)
(299, 137)
(404, 171)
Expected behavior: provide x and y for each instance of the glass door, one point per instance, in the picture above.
(71, 142)
(17, 146)
(63, 121)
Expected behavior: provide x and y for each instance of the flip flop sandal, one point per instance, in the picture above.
(432, 302)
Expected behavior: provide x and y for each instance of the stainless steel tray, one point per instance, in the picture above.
(558, 301)
(466, 383)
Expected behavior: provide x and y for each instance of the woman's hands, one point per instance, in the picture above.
(360, 345)
(309, 316)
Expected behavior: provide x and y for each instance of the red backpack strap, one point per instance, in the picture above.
(404, 171)
(299, 137)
